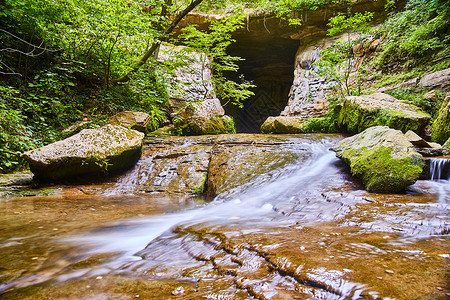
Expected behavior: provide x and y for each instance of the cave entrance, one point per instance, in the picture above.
(269, 63)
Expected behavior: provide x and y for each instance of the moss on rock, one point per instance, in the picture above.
(440, 132)
(358, 113)
(283, 124)
(91, 151)
(386, 174)
(201, 125)
(382, 158)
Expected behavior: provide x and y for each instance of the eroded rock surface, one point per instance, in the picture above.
(361, 112)
(239, 159)
(383, 158)
(437, 80)
(132, 119)
(211, 165)
(92, 151)
(194, 107)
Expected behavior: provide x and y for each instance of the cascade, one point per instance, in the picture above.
(439, 168)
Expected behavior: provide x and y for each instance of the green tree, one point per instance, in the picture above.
(214, 44)
(337, 61)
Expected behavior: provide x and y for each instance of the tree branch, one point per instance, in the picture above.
(163, 37)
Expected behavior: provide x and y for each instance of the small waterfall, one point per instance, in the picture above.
(439, 168)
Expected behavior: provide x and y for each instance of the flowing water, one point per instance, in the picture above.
(303, 231)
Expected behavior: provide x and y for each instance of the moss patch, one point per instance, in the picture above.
(201, 126)
(380, 172)
(359, 114)
(440, 131)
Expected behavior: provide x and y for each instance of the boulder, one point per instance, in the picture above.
(91, 151)
(416, 140)
(446, 147)
(423, 147)
(437, 80)
(358, 113)
(132, 119)
(440, 130)
(283, 124)
(382, 158)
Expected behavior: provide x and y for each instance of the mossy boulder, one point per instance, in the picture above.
(283, 124)
(91, 151)
(440, 130)
(382, 158)
(199, 125)
(358, 113)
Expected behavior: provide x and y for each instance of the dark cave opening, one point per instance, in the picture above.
(269, 64)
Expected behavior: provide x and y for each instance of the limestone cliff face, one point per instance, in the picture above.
(194, 107)
(279, 60)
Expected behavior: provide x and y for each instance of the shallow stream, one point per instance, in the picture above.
(302, 230)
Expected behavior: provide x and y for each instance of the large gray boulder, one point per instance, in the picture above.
(437, 80)
(361, 112)
(91, 151)
(283, 124)
(382, 158)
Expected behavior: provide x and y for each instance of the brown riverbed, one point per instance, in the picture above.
(300, 229)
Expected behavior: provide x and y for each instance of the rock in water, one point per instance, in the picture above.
(361, 112)
(91, 151)
(382, 157)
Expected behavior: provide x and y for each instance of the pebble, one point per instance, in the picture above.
(380, 278)
(302, 248)
(99, 277)
(389, 271)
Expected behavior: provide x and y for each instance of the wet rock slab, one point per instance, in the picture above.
(209, 165)
(238, 159)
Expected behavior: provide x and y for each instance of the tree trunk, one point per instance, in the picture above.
(155, 45)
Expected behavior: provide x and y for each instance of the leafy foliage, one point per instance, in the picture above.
(214, 44)
(418, 32)
(337, 61)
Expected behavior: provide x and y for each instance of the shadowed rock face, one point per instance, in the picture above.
(383, 158)
(194, 107)
(92, 151)
(269, 64)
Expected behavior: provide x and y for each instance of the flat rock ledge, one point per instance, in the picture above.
(382, 158)
(361, 112)
(91, 151)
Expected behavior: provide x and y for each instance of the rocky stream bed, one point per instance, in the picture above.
(225, 217)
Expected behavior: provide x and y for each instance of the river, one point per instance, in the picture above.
(303, 229)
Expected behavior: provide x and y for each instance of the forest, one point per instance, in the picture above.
(65, 61)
